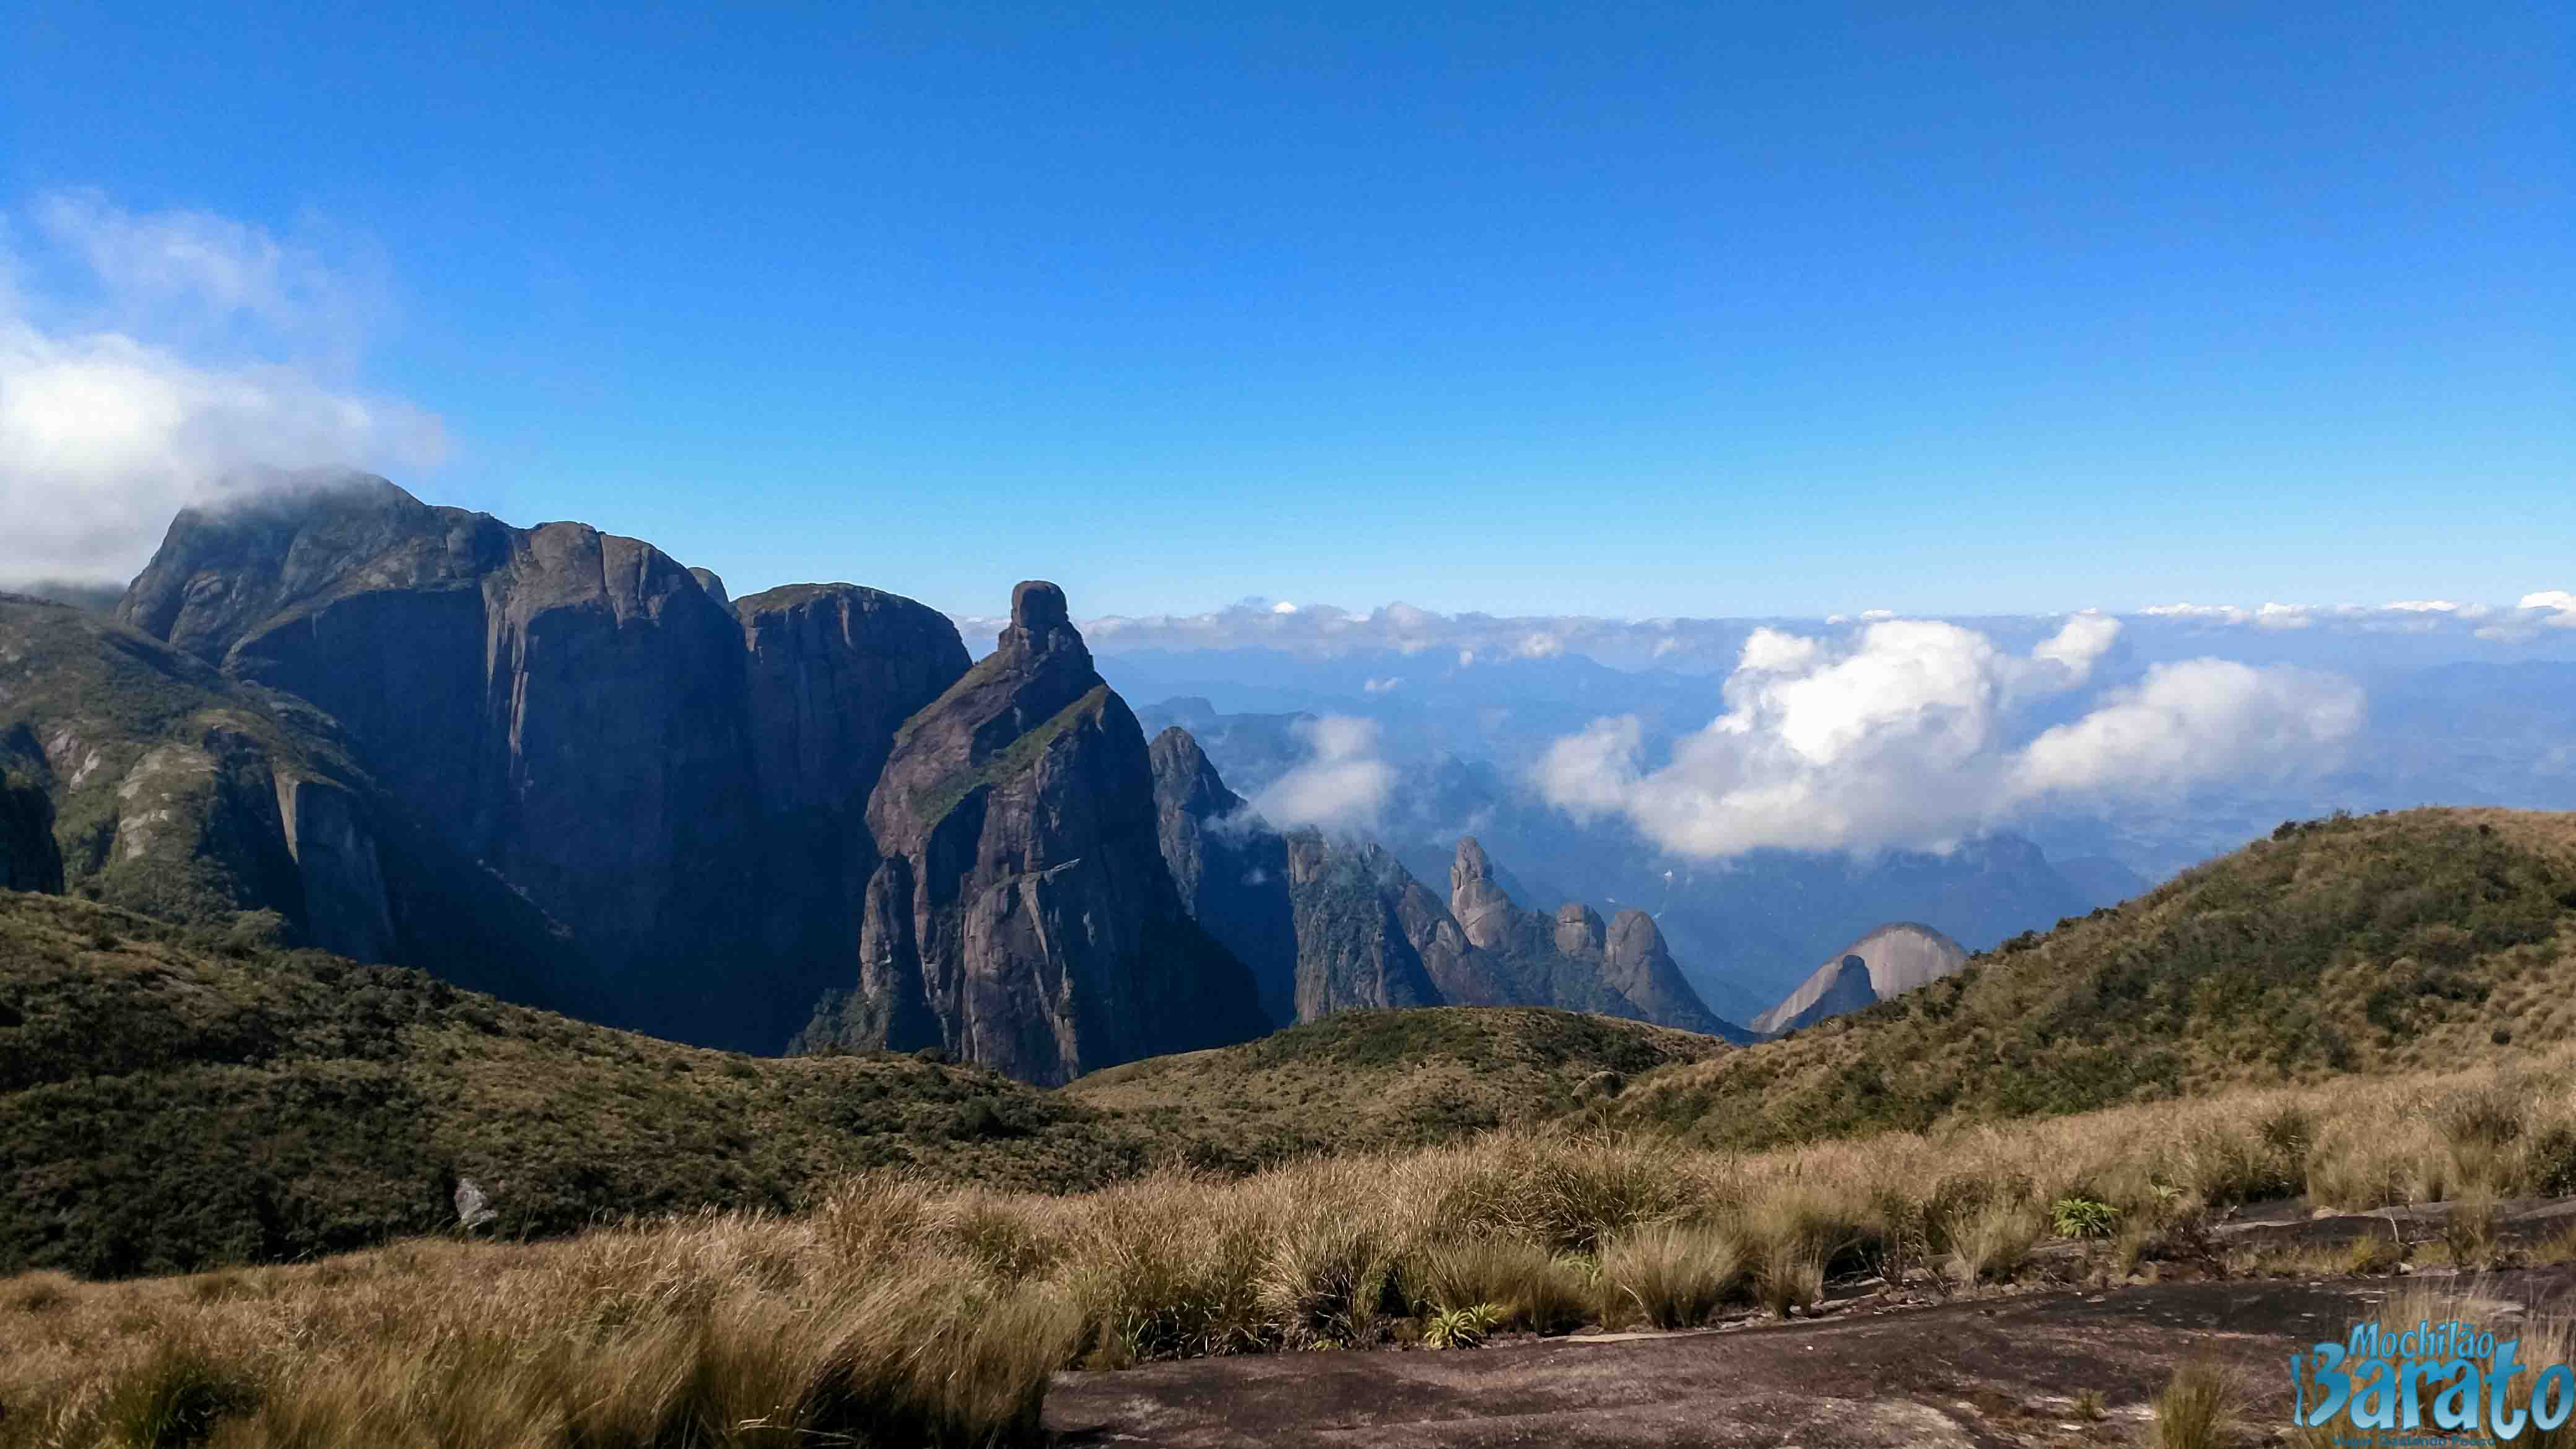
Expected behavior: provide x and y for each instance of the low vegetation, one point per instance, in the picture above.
(2356, 945)
(1371, 1080)
(175, 1098)
(891, 1309)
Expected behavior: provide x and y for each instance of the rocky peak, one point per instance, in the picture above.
(1483, 908)
(1024, 917)
(1578, 929)
(1185, 780)
(1635, 939)
(1040, 622)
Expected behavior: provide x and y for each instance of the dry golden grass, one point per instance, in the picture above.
(895, 1310)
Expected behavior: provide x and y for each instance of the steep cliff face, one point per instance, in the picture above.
(674, 780)
(833, 671)
(1023, 917)
(1231, 872)
(1886, 962)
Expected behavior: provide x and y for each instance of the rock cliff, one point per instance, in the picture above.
(1022, 916)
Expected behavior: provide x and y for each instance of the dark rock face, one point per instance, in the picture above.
(833, 670)
(1232, 875)
(339, 871)
(660, 771)
(175, 791)
(1023, 917)
(29, 859)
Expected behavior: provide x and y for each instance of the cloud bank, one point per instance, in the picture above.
(148, 363)
(1905, 734)
(1342, 785)
(1714, 646)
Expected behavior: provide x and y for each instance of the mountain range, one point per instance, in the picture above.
(559, 765)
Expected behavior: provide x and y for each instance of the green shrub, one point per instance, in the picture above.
(2082, 1217)
(1466, 1327)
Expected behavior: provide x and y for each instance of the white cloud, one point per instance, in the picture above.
(2194, 720)
(1776, 651)
(1387, 685)
(1903, 734)
(2076, 647)
(1539, 646)
(2212, 613)
(193, 357)
(2283, 616)
(1342, 785)
(1283, 607)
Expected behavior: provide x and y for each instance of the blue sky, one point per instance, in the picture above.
(1629, 310)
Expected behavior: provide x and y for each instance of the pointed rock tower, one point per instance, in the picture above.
(1022, 916)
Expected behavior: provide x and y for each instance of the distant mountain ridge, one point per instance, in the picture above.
(1364, 933)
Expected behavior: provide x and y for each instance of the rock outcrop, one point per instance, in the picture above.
(1893, 959)
(1023, 917)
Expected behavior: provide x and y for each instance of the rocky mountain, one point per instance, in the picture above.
(1364, 933)
(1022, 916)
(1746, 930)
(673, 779)
(1571, 960)
(1889, 961)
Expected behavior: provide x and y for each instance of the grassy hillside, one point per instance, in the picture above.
(2428, 938)
(172, 1097)
(1367, 1080)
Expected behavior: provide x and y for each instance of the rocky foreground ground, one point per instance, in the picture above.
(2025, 1369)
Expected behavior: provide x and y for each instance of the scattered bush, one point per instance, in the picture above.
(2202, 1408)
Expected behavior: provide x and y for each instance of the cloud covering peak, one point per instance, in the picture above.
(152, 362)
